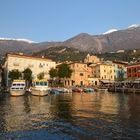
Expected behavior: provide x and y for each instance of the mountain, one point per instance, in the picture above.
(113, 41)
(110, 31)
(109, 41)
(14, 46)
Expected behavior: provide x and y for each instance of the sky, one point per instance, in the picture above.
(59, 20)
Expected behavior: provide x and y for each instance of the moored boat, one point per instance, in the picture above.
(88, 89)
(40, 88)
(60, 90)
(77, 89)
(18, 88)
(103, 89)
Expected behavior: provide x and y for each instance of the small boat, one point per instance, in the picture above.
(40, 88)
(67, 90)
(18, 88)
(77, 89)
(103, 89)
(54, 91)
(88, 90)
(60, 90)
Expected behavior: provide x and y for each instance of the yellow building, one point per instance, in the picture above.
(21, 62)
(80, 74)
(105, 71)
(101, 72)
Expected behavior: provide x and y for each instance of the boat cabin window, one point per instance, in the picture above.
(41, 84)
(37, 83)
(14, 84)
(19, 84)
(45, 83)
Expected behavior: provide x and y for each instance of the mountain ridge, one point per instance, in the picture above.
(121, 39)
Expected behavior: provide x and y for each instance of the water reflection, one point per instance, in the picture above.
(70, 116)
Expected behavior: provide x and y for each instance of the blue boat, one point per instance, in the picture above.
(88, 90)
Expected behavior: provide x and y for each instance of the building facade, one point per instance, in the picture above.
(104, 71)
(91, 59)
(21, 62)
(120, 71)
(80, 74)
(133, 71)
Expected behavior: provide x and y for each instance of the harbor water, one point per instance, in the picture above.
(73, 116)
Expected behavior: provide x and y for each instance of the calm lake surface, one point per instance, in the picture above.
(93, 116)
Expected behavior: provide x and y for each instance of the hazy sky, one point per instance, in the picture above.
(58, 20)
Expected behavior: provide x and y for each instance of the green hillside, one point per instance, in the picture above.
(62, 53)
(128, 55)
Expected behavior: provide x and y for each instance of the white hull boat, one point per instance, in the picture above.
(18, 88)
(40, 88)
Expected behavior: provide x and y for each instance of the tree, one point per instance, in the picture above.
(53, 73)
(27, 75)
(40, 75)
(64, 71)
(14, 74)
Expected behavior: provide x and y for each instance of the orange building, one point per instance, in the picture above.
(80, 74)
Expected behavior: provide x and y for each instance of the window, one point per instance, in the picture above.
(135, 69)
(45, 83)
(129, 70)
(40, 65)
(81, 74)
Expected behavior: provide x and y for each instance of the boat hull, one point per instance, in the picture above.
(103, 89)
(39, 92)
(17, 92)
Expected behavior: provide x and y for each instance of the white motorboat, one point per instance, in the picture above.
(40, 88)
(102, 89)
(18, 88)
